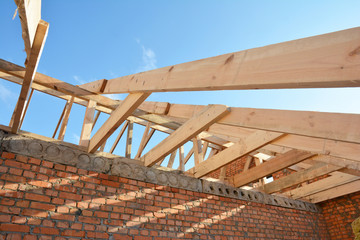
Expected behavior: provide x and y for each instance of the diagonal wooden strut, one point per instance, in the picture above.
(187, 131)
(118, 116)
(32, 64)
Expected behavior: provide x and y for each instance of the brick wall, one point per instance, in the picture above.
(340, 213)
(43, 200)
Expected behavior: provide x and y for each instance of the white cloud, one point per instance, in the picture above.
(76, 138)
(148, 58)
(79, 80)
(6, 93)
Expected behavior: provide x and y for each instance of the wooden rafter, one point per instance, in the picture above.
(336, 179)
(118, 116)
(315, 171)
(119, 136)
(328, 60)
(32, 64)
(186, 132)
(276, 164)
(239, 149)
(172, 159)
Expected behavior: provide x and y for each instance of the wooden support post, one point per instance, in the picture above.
(32, 64)
(181, 159)
(276, 164)
(65, 119)
(88, 124)
(143, 139)
(119, 136)
(197, 151)
(315, 171)
(172, 159)
(129, 140)
(102, 147)
(242, 148)
(222, 174)
(26, 108)
(60, 119)
(204, 150)
(118, 116)
(247, 163)
(186, 132)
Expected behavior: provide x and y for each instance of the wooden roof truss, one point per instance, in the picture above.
(315, 145)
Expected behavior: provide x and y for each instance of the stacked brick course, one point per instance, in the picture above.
(340, 213)
(43, 200)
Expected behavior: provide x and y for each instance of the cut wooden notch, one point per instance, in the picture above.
(117, 117)
(187, 131)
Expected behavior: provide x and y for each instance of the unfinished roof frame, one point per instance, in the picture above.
(314, 144)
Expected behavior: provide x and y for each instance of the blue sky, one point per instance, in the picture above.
(90, 40)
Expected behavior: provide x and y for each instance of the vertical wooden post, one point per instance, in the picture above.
(66, 119)
(88, 124)
(129, 140)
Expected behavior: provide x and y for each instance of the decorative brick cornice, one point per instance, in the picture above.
(123, 167)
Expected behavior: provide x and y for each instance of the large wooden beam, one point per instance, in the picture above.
(335, 192)
(118, 116)
(32, 64)
(335, 126)
(329, 60)
(335, 180)
(95, 87)
(239, 149)
(276, 164)
(315, 171)
(88, 124)
(186, 132)
(30, 15)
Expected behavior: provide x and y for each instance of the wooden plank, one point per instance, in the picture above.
(276, 164)
(60, 119)
(323, 61)
(26, 107)
(315, 171)
(204, 149)
(119, 136)
(118, 116)
(335, 192)
(188, 155)
(65, 119)
(129, 140)
(247, 163)
(222, 174)
(88, 124)
(142, 142)
(172, 159)
(239, 149)
(96, 118)
(30, 15)
(148, 137)
(32, 64)
(186, 132)
(181, 159)
(197, 151)
(342, 127)
(335, 180)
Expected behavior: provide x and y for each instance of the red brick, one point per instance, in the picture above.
(73, 233)
(14, 228)
(43, 206)
(21, 158)
(11, 210)
(72, 196)
(3, 169)
(37, 197)
(61, 216)
(13, 178)
(110, 183)
(17, 164)
(60, 224)
(90, 220)
(46, 231)
(29, 174)
(71, 169)
(142, 238)
(5, 218)
(18, 219)
(34, 213)
(34, 161)
(7, 202)
(41, 184)
(47, 164)
(16, 171)
(30, 237)
(97, 235)
(8, 155)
